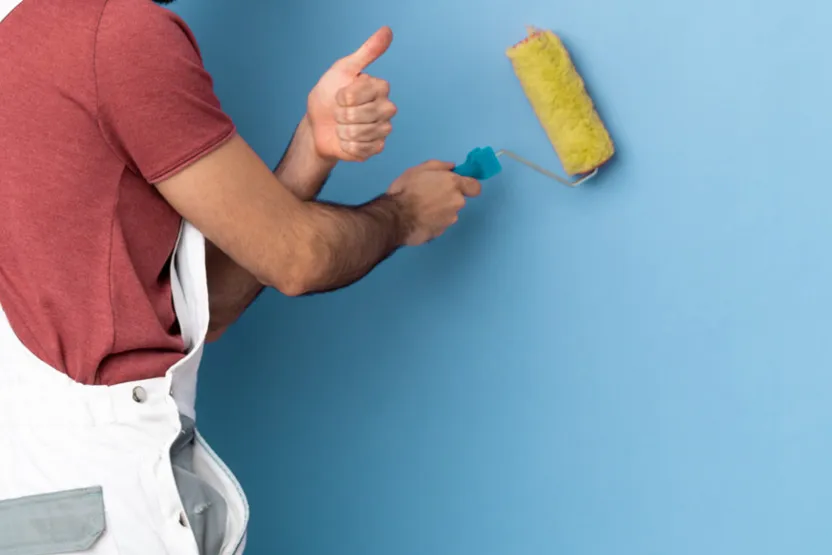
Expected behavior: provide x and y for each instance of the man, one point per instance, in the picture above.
(135, 223)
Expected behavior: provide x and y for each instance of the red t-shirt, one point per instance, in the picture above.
(98, 100)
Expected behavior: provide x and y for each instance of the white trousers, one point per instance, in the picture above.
(87, 469)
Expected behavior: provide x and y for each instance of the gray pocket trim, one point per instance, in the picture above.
(52, 523)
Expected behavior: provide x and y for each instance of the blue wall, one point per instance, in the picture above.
(641, 367)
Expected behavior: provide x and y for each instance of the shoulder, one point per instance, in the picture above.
(142, 28)
(155, 101)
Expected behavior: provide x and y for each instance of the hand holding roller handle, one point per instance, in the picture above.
(431, 197)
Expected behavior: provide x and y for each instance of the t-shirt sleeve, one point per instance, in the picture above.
(156, 103)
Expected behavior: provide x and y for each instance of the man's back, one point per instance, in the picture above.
(84, 238)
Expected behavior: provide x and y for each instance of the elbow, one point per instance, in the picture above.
(221, 317)
(213, 335)
(294, 287)
(299, 273)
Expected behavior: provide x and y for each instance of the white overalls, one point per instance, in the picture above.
(87, 469)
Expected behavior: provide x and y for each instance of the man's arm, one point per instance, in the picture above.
(301, 247)
(300, 169)
(231, 287)
(156, 109)
(294, 246)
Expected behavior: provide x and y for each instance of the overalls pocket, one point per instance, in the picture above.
(69, 521)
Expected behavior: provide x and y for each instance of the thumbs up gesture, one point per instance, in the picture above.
(349, 112)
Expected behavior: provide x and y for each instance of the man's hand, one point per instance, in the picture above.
(348, 110)
(431, 196)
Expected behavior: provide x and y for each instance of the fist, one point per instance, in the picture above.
(349, 111)
(432, 197)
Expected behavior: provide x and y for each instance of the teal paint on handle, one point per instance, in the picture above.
(481, 163)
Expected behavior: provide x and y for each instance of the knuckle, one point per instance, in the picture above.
(341, 114)
(358, 131)
(349, 97)
(375, 111)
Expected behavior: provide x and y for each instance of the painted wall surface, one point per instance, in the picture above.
(639, 367)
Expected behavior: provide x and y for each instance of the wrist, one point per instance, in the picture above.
(402, 215)
(305, 139)
(302, 169)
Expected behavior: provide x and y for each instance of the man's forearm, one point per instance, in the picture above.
(349, 241)
(345, 244)
(300, 169)
(231, 287)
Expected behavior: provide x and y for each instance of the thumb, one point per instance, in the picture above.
(369, 52)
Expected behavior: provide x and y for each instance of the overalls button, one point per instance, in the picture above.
(182, 520)
(139, 394)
